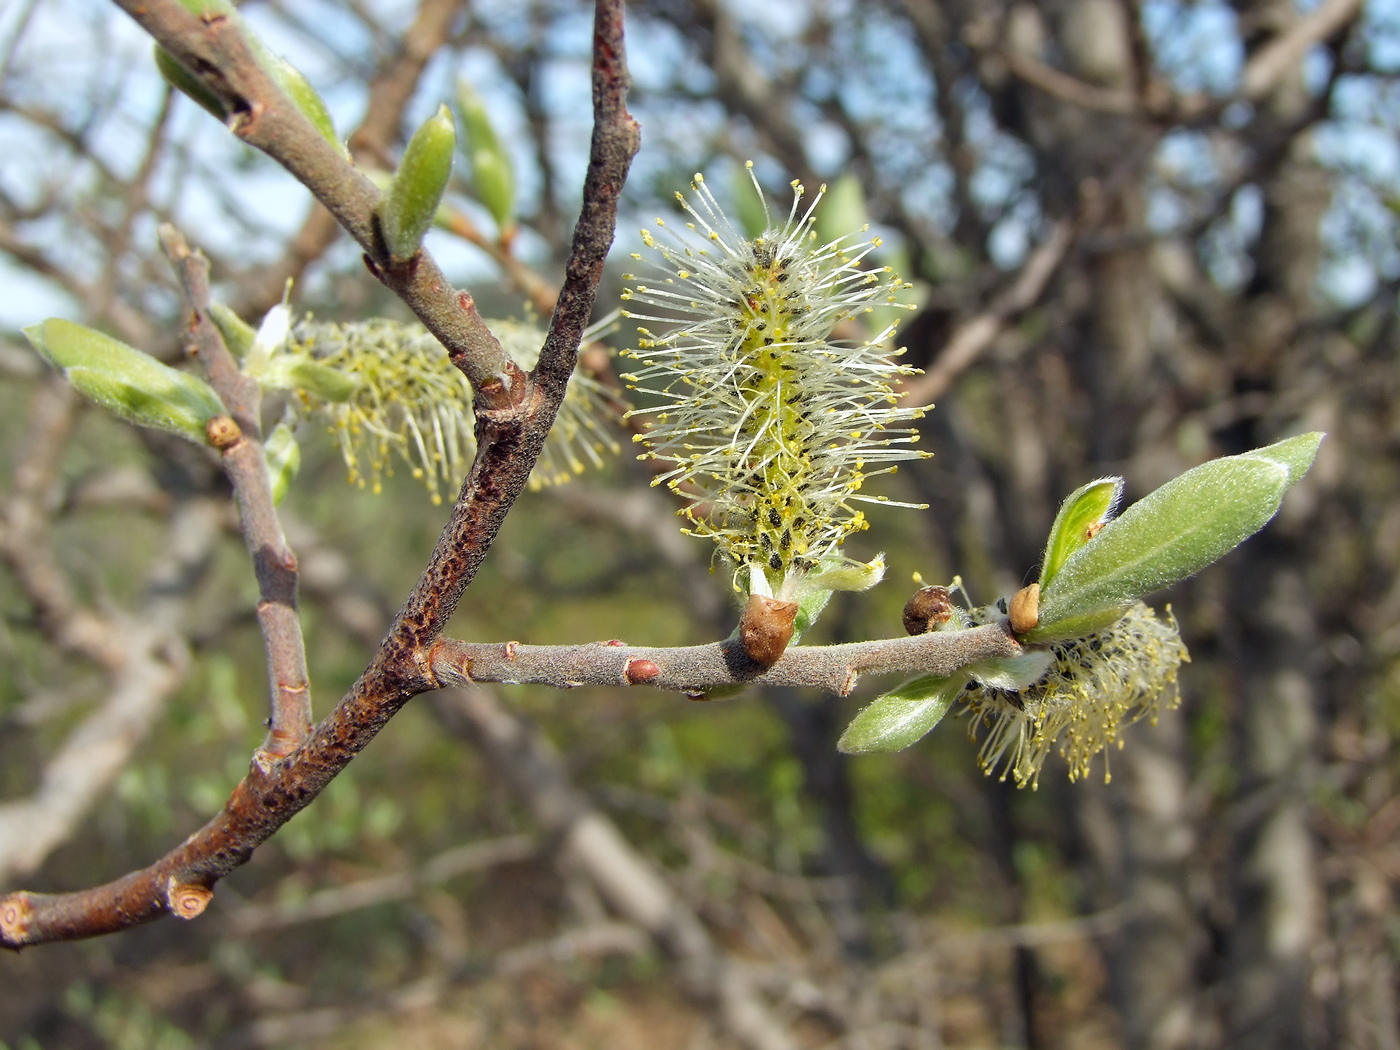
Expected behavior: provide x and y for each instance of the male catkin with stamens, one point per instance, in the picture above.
(771, 423)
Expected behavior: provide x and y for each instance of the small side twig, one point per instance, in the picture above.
(240, 447)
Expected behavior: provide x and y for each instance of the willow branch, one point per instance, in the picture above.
(389, 93)
(698, 669)
(241, 449)
(216, 49)
(513, 419)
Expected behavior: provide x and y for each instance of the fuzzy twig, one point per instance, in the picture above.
(697, 669)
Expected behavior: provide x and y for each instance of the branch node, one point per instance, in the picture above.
(187, 899)
(223, 433)
(15, 915)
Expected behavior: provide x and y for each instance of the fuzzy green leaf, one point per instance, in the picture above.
(238, 334)
(902, 716)
(127, 381)
(1087, 506)
(1172, 533)
(283, 456)
(493, 175)
(182, 80)
(411, 203)
(305, 97)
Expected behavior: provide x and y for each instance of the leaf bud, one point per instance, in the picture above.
(127, 381)
(411, 202)
(305, 97)
(185, 82)
(493, 176)
(238, 334)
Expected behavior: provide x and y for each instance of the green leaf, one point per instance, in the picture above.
(283, 456)
(409, 206)
(127, 381)
(305, 97)
(182, 80)
(238, 334)
(1170, 534)
(493, 175)
(902, 716)
(320, 381)
(1090, 505)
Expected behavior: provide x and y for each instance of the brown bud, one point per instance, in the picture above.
(222, 432)
(188, 899)
(929, 607)
(16, 913)
(638, 671)
(766, 628)
(1024, 609)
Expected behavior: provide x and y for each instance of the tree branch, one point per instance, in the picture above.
(274, 564)
(216, 49)
(513, 420)
(699, 668)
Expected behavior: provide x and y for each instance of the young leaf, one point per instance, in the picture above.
(238, 334)
(322, 382)
(305, 97)
(130, 383)
(902, 716)
(1086, 507)
(283, 456)
(493, 177)
(411, 203)
(182, 80)
(1170, 534)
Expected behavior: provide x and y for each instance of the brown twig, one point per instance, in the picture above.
(241, 450)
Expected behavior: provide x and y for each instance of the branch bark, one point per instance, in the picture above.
(514, 413)
(274, 564)
(695, 670)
